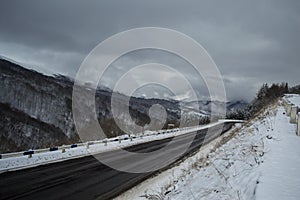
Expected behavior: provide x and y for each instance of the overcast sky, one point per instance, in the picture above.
(252, 42)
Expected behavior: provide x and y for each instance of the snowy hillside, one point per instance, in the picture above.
(205, 106)
(259, 160)
(32, 103)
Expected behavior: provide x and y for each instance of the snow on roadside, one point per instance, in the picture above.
(261, 161)
(280, 174)
(293, 98)
(21, 162)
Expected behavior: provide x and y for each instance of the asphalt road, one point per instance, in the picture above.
(86, 178)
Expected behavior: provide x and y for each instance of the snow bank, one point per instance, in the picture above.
(280, 173)
(261, 161)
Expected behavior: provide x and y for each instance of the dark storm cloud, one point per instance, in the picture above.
(252, 42)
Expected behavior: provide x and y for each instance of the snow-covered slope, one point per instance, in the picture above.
(260, 161)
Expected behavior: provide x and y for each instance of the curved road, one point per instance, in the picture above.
(86, 178)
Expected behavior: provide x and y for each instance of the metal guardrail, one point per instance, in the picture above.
(293, 112)
(89, 143)
(64, 147)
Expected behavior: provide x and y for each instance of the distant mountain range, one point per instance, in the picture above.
(36, 110)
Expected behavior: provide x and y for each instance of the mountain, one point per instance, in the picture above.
(36, 110)
(19, 131)
(204, 106)
(236, 105)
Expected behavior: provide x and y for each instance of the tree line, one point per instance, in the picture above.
(265, 96)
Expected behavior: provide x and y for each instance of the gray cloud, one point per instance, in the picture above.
(251, 42)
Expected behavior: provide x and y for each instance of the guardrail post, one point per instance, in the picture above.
(293, 119)
(284, 104)
(119, 139)
(87, 145)
(105, 142)
(63, 150)
(298, 124)
(131, 138)
(289, 109)
(30, 155)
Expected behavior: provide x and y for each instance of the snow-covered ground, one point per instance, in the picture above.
(260, 160)
(293, 98)
(21, 162)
